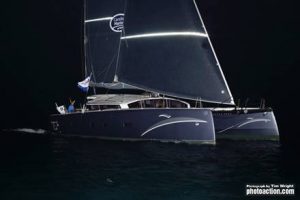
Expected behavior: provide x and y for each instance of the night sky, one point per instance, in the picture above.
(257, 43)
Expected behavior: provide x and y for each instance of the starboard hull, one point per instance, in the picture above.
(257, 124)
(165, 124)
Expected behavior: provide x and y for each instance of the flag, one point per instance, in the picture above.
(84, 85)
(60, 109)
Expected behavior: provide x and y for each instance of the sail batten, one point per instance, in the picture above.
(98, 19)
(165, 34)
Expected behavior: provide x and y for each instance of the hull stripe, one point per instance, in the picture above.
(173, 122)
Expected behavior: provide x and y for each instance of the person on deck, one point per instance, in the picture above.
(71, 107)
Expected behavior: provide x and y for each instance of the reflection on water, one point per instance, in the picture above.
(46, 167)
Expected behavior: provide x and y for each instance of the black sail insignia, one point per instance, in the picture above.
(165, 49)
(103, 26)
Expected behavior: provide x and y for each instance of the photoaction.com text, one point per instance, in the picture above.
(270, 189)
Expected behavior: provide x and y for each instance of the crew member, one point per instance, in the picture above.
(71, 107)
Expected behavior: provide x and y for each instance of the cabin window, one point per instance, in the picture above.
(135, 105)
(158, 103)
(177, 104)
(165, 103)
(104, 107)
(94, 107)
(148, 103)
(155, 103)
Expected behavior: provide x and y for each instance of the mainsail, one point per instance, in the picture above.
(163, 48)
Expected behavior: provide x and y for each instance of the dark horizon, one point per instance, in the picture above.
(255, 41)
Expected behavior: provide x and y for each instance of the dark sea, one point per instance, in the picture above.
(40, 166)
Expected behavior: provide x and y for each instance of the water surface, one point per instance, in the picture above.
(39, 166)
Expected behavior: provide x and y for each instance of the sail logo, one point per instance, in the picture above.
(117, 22)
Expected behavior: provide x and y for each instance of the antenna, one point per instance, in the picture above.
(246, 102)
(262, 103)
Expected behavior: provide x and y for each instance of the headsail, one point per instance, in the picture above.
(103, 26)
(165, 49)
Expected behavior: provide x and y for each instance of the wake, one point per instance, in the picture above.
(27, 130)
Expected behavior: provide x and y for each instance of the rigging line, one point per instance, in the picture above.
(93, 72)
(88, 48)
(94, 20)
(109, 66)
(105, 70)
(122, 32)
(91, 64)
(118, 57)
(82, 49)
(92, 48)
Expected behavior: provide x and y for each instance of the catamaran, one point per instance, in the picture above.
(161, 49)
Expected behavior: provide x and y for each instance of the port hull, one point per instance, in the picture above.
(191, 125)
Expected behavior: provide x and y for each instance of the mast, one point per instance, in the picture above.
(84, 38)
